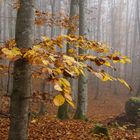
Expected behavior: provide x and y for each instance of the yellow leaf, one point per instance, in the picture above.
(82, 72)
(58, 71)
(67, 90)
(122, 61)
(68, 96)
(90, 57)
(71, 50)
(59, 100)
(97, 74)
(45, 62)
(58, 87)
(11, 53)
(34, 121)
(29, 54)
(7, 52)
(52, 58)
(70, 72)
(68, 58)
(65, 82)
(70, 103)
(45, 38)
(36, 47)
(69, 63)
(125, 83)
(128, 60)
(16, 51)
(117, 53)
(107, 64)
(107, 77)
(76, 70)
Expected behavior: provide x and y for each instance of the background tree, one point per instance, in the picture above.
(63, 110)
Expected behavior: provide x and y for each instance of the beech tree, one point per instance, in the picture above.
(81, 110)
(63, 110)
(20, 96)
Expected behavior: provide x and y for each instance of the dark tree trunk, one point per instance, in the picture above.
(63, 112)
(22, 76)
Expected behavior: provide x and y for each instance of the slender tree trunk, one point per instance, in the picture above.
(81, 111)
(112, 33)
(127, 35)
(98, 39)
(55, 8)
(63, 110)
(22, 76)
(138, 22)
(134, 46)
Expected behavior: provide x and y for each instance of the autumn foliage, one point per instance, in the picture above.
(53, 64)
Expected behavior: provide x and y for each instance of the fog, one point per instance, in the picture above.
(113, 22)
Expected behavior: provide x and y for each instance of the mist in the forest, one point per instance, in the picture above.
(113, 22)
(82, 56)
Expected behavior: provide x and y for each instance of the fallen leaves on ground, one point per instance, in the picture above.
(50, 128)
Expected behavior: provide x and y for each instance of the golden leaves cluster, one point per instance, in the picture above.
(55, 65)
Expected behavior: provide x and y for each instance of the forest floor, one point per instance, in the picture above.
(108, 110)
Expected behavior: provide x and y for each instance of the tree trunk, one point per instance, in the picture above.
(22, 76)
(98, 39)
(63, 110)
(81, 111)
(55, 9)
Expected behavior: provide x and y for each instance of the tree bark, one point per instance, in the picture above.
(81, 111)
(63, 110)
(98, 39)
(22, 76)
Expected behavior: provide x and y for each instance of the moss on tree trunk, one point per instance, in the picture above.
(63, 112)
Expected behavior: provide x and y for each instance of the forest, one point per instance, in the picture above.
(69, 70)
